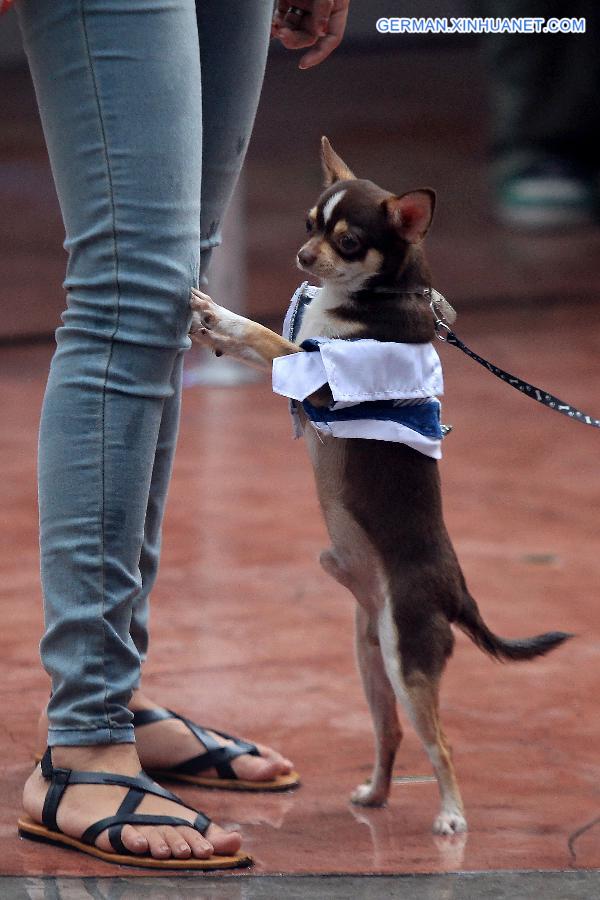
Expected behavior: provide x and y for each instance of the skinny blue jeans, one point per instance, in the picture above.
(147, 107)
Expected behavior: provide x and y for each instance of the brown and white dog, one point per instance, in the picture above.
(381, 500)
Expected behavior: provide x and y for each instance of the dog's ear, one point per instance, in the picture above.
(411, 214)
(334, 168)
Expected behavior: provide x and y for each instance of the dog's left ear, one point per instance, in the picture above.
(334, 167)
(411, 214)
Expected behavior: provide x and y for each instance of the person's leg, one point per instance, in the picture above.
(150, 553)
(118, 85)
(234, 40)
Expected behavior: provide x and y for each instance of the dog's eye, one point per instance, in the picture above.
(348, 243)
(309, 225)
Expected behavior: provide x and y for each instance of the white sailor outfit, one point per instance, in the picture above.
(381, 390)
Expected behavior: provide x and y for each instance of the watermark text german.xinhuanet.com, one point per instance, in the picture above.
(480, 25)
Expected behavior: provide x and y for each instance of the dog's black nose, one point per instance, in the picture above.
(306, 257)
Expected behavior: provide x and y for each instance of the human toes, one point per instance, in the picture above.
(134, 841)
(157, 844)
(255, 768)
(285, 766)
(178, 842)
(224, 842)
(265, 767)
(201, 847)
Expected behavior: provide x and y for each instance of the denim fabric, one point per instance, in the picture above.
(147, 107)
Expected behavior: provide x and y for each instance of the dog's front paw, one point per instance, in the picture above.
(448, 823)
(214, 326)
(366, 795)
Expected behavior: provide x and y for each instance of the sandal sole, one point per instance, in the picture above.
(33, 831)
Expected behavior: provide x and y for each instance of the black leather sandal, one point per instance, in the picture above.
(139, 787)
(216, 756)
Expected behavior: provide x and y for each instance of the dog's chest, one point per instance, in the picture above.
(318, 317)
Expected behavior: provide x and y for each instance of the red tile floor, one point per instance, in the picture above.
(250, 635)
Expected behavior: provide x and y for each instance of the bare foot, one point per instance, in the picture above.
(83, 804)
(162, 745)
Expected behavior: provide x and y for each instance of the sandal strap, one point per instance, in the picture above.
(138, 786)
(200, 824)
(58, 785)
(147, 716)
(62, 777)
(141, 781)
(115, 824)
(216, 756)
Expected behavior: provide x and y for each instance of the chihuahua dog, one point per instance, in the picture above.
(381, 499)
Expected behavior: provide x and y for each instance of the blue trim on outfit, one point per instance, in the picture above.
(424, 418)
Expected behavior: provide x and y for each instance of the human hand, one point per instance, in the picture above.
(318, 24)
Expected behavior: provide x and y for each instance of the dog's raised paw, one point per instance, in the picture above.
(448, 823)
(364, 795)
(204, 308)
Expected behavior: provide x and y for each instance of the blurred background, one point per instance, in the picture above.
(405, 111)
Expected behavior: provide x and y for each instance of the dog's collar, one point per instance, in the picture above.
(443, 313)
(382, 289)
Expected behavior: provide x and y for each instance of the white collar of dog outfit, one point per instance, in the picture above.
(381, 390)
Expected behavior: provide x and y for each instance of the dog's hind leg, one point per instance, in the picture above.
(418, 691)
(423, 706)
(382, 703)
(362, 581)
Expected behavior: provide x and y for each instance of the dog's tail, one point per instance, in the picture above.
(470, 621)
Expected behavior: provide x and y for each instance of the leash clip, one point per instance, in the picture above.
(438, 305)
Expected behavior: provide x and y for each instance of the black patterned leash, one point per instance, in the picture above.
(440, 309)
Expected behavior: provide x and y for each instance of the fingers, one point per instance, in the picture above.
(321, 27)
(303, 23)
(327, 44)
